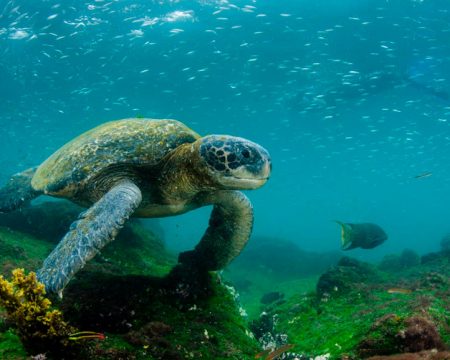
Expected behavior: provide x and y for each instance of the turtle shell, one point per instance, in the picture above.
(128, 142)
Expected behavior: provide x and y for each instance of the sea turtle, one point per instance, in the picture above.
(144, 168)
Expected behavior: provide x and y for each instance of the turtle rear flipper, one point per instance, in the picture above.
(95, 228)
(18, 191)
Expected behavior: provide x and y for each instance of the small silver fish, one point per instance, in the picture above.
(423, 175)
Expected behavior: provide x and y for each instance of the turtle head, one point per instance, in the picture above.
(235, 163)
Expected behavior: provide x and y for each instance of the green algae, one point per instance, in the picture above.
(251, 300)
(125, 290)
(339, 324)
(130, 293)
(162, 317)
(270, 265)
(10, 346)
(21, 250)
(262, 283)
(211, 327)
(137, 251)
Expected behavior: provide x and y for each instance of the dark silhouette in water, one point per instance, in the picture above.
(364, 235)
(429, 89)
(359, 88)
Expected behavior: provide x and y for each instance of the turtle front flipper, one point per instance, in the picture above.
(17, 191)
(230, 226)
(96, 227)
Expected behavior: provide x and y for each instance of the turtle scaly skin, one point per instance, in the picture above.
(95, 228)
(18, 191)
(145, 168)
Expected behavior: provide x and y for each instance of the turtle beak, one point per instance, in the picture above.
(256, 174)
(267, 169)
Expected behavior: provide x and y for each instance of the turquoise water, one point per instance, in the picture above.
(351, 98)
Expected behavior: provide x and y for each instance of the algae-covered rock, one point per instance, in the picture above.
(166, 318)
(132, 292)
(11, 347)
(49, 220)
(21, 250)
(393, 262)
(271, 297)
(393, 334)
(270, 265)
(423, 355)
(347, 275)
(443, 253)
(409, 258)
(28, 235)
(401, 312)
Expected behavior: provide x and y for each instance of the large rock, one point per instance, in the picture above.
(346, 276)
(148, 307)
(393, 334)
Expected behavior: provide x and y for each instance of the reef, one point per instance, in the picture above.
(423, 355)
(392, 334)
(347, 275)
(359, 311)
(133, 302)
(130, 302)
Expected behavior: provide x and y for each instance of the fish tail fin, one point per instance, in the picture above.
(345, 239)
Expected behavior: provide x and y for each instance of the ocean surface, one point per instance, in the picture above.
(350, 97)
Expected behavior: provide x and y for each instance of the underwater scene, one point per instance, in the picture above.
(225, 179)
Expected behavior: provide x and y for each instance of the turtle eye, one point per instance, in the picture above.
(245, 153)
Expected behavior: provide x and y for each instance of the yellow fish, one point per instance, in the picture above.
(271, 355)
(399, 291)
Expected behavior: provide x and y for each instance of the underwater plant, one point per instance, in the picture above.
(393, 334)
(39, 327)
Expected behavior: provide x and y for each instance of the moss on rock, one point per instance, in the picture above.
(415, 311)
(131, 292)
